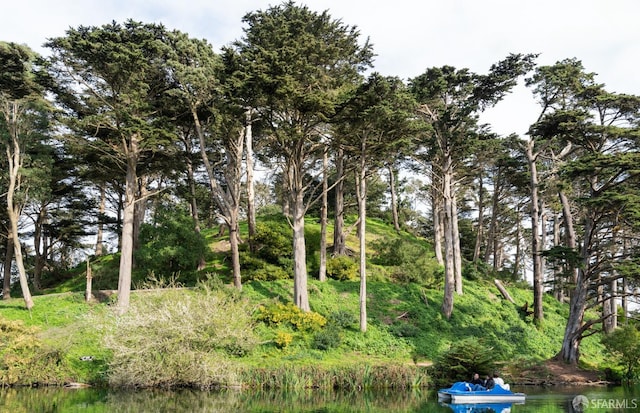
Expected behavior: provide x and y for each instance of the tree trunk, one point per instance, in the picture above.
(558, 276)
(8, 259)
(570, 351)
(362, 215)
(518, 253)
(126, 256)
(251, 193)
(322, 272)
(235, 255)
(300, 291)
(449, 251)
(569, 230)
(394, 202)
(101, 214)
(39, 248)
(493, 224)
(480, 229)
(536, 252)
(455, 233)
(437, 213)
(339, 241)
(14, 159)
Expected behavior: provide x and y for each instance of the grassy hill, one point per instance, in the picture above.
(196, 330)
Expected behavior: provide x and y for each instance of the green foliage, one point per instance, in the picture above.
(23, 354)
(463, 358)
(170, 245)
(326, 339)
(342, 318)
(624, 343)
(410, 260)
(342, 268)
(272, 241)
(254, 268)
(290, 314)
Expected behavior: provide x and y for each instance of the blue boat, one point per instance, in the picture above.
(463, 392)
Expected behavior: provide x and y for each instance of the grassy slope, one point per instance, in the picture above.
(404, 320)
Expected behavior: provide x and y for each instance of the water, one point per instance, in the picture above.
(59, 400)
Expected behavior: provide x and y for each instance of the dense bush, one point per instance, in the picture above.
(170, 245)
(342, 268)
(410, 260)
(326, 339)
(272, 241)
(463, 358)
(624, 343)
(23, 354)
(290, 314)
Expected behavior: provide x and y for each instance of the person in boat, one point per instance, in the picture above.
(489, 383)
(498, 380)
(477, 380)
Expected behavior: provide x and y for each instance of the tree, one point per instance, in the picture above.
(112, 82)
(625, 344)
(450, 101)
(23, 123)
(601, 128)
(375, 122)
(205, 89)
(298, 63)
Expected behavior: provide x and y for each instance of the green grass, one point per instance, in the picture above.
(405, 324)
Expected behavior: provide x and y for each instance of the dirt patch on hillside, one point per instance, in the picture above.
(554, 372)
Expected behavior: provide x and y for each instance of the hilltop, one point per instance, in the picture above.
(256, 332)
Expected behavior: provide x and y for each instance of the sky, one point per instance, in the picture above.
(408, 36)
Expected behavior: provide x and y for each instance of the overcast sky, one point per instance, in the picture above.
(408, 36)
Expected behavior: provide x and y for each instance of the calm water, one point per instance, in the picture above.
(56, 400)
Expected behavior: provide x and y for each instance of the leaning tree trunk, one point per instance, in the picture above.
(14, 160)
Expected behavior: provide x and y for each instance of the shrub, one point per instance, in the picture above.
(342, 268)
(326, 339)
(179, 338)
(283, 314)
(342, 319)
(25, 359)
(272, 241)
(283, 339)
(625, 344)
(410, 259)
(170, 245)
(463, 358)
(254, 268)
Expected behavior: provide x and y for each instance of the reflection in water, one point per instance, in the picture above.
(59, 400)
